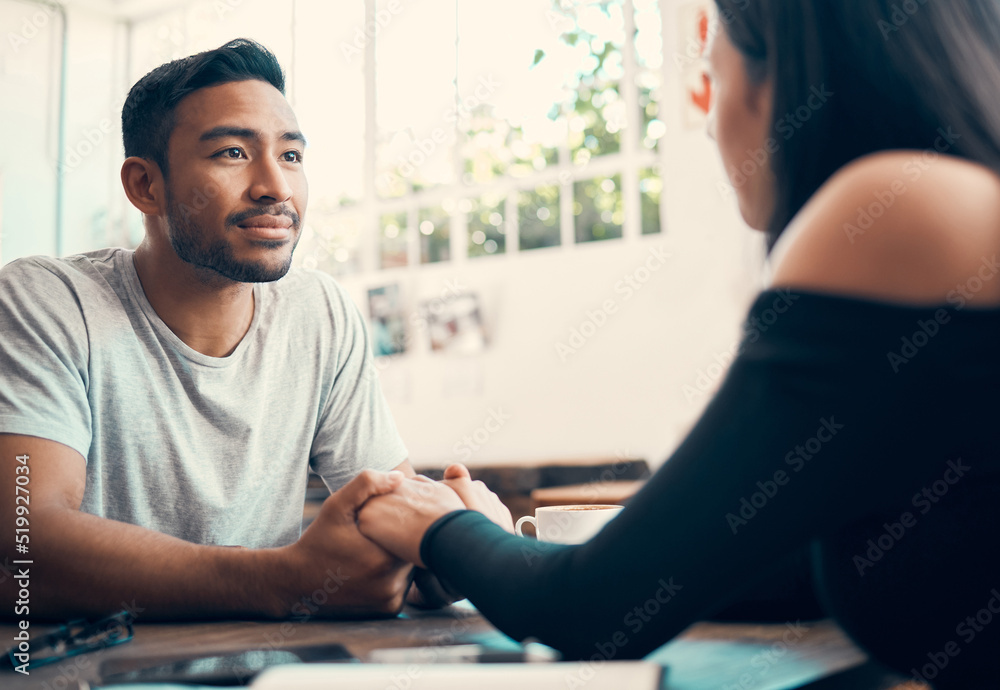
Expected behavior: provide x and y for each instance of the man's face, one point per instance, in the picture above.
(236, 191)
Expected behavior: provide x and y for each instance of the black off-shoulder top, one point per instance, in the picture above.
(868, 432)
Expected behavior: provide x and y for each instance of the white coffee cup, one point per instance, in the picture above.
(568, 524)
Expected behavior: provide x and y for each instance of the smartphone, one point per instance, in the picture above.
(218, 670)
(530, 652)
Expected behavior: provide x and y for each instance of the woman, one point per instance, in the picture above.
(860, 417)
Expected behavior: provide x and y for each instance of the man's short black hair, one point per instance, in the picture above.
(148, 113)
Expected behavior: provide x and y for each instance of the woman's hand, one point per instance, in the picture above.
(477, 497)
(397, 521)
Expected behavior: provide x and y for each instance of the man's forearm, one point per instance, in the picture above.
(84, 565)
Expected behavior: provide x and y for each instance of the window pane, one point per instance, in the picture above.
(397, 162)
(649, 60)
(485, 150)
(531, 154)
(330, 242)
(392, 240)
(597, 205)
(511, 92)
(28, 145)
(650, 188)
(597, 110)
(435, 235)
(328, 92)
(538, 217)
(486, 224)
(415, 83)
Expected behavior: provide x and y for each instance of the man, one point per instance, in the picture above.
(168, 402)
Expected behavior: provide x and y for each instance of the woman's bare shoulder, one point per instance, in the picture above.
(897, 226)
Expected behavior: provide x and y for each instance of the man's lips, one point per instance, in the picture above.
(266, 222)
(267, 227)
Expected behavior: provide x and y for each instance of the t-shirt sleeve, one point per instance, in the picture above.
(44, 355)
(812, 429)
(356, 430)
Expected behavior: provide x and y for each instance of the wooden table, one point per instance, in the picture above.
(707, 656)
(605, 493)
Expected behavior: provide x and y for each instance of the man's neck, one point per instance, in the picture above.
(209, 313)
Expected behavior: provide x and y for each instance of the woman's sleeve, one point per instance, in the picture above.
(813, 428)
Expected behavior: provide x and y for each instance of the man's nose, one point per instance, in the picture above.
(269, 182)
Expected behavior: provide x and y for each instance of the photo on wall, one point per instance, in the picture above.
(695, 24)
(455, 325)
(388, 321)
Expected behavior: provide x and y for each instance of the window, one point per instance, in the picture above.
(507, 146)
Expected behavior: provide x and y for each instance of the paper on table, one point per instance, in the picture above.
(611, 675)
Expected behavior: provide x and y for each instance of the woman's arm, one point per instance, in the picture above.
(811, 430)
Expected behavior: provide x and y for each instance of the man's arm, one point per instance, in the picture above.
(86, 565)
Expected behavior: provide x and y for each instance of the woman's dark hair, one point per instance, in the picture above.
(148, 113)
(897, 74)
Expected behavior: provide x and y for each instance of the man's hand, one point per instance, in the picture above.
(334, 570)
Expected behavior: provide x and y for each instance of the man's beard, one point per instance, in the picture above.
(185, 236)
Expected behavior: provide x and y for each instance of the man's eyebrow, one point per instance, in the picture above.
(224, 131)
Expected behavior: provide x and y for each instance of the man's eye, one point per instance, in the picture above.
(292, 156)
(233, 152)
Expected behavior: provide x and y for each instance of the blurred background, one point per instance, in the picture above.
(520, 197)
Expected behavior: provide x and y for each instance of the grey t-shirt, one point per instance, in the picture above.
(211, 450)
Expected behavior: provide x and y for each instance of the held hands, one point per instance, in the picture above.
(355, 557)
(398, 520)
(333, 569)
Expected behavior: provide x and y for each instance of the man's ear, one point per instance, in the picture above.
(144, 185)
